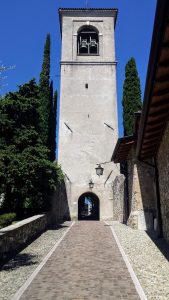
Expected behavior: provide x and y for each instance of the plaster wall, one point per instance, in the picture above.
(88, 128)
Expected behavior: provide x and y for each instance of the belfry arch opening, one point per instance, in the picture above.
(88, 207)
(88, 41)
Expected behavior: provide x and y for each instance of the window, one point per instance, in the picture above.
(88, 41)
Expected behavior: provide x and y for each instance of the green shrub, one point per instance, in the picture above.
(7, 219)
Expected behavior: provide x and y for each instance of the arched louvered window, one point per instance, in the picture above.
(88, 41)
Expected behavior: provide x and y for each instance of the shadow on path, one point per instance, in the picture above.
(19, 261)
(161, 243)
(57, 226)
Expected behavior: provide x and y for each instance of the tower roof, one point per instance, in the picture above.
(88, 10)
(72, 9)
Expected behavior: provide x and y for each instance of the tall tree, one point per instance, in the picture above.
(45, 92)
(52, 124)
(131, 96)
(27, 177)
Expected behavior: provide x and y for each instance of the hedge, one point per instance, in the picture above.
(7, 219)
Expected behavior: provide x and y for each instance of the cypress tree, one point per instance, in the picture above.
(45, 92)
(131, 96)
(52, 125)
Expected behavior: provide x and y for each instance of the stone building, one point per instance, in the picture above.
(140, 203)
(88, 125)
(150, 146)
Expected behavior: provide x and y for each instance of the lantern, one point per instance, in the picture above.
(99, 170)
(91, 184)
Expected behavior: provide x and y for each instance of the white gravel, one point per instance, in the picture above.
(16, 271)
(149, 264)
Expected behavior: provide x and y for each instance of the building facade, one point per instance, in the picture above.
(147, 151)
(88, 126)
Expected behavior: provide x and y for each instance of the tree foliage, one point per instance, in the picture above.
(47, 108)
(45, 93)
(55, 97)
(28, 171)
(27, 177)
(131, 96)
(52, 125)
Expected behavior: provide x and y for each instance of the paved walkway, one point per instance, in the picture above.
(87, 265)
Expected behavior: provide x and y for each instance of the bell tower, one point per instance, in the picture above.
(88, 126)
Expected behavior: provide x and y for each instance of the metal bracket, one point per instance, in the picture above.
(68, 127)
(109, 126)
(108, 177)
(67, 177)
(103, 163)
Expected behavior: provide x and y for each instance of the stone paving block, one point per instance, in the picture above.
(87, 265)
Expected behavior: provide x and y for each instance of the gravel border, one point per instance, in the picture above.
(14, 273)
(148, 262)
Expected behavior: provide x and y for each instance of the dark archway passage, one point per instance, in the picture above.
(88, 207)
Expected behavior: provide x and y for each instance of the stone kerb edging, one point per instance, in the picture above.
(14, 237)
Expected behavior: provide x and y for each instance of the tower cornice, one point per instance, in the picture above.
(107, 12)
(88, 63)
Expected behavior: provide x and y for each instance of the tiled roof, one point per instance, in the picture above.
(122, 149)
(124, 145)
(155, 113)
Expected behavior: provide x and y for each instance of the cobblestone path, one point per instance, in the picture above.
(87, 265)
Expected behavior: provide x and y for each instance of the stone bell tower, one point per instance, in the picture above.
(88, 126)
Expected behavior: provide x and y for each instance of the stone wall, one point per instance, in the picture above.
(60, 207)
(163, 169)
(142, 195)
(118, 198)
(14, 237)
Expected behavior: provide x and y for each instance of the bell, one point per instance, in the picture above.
(83, 44)
(93, 43)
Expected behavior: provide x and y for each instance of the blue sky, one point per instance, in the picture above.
(25, 23)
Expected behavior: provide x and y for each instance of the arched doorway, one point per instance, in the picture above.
(88, 207)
